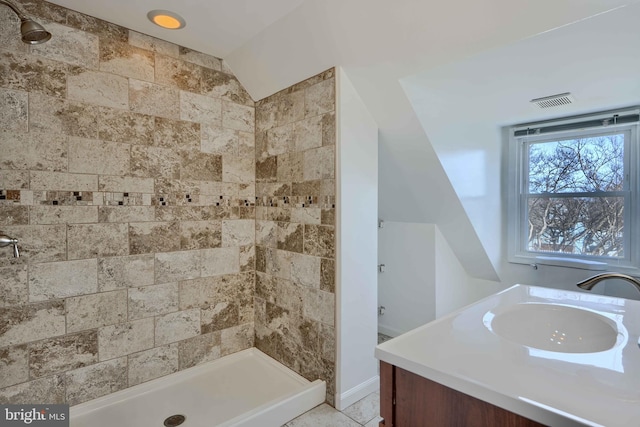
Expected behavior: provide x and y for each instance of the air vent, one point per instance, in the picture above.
(554, 100)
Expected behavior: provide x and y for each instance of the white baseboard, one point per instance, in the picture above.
(356, 393)
(389, 331)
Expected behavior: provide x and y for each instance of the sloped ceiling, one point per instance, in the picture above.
(382, 45)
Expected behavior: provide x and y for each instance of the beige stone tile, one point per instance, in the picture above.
(328, 217)
(319, 98)
(200, 234)
(125, 272)
(175, 266)
(14, 107)
(57, 355)
(200, 108)
(328, 342)
(21, 71)
(177, 134)
(308, 133)
(155, 162)
(290, 108)
(217, 140)
(147, 237)
(126, 60)
(329, 129)
(14, 215)
(37, 243)
(126, 184)
(95, 87)
(267, 233)
(54, 115)
(62, 279)
(291, 167)
(173, 327)
(9, 22)
(14, 288)
(126, 213)
(14, 365)
(226, 68)
(327, 275)
(199, 349)
(102, 29)
(152, 99)
(290, 236)
(151, 364)
(96, 310)
(22, 324)
(280, 264)
(63, 214)
(225, 86)
(319, 305)
(306, 215)
(58, 181)
(85, 46)
(153, 44)
(98, 157)
(200, 166)
(148, 301)
(365, 409)
(50, 390)
(247, 258)
(238, 169)
(319, 240)
(14, 179)
(305, 270)
(96, 380)
(236, 338)
(33, 151)
(219, 261)
(125, 338)
(178, 73)
(266, 111)
(199, 58)
(319, 163)
(238, 232)
(97, 240)
(306, 188)
(323, 415)
(247, 144)
(238, 117)
(201, 292)
(125, 126)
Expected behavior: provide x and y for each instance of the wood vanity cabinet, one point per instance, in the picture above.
(409, 400)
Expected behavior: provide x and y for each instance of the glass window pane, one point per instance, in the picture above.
(576, 225)
(577, 165)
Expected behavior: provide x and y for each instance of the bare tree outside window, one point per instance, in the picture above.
(575, 198)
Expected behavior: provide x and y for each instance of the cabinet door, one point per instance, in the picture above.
(424, 403)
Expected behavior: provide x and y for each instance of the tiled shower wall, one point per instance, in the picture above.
(127, 173)
(295, 228)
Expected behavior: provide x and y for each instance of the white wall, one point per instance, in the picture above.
(357, 249)
(407, 288)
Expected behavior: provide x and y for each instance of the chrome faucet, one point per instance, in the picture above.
(592, 281)
(6, 241)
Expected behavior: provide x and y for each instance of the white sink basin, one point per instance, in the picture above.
(554, 328)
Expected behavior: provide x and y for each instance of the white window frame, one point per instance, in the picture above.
(517, 182)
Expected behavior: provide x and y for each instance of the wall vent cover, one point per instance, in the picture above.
(554, 100)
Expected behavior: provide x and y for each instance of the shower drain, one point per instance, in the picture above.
(174, 420)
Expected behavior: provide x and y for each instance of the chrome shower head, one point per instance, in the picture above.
(32, 32)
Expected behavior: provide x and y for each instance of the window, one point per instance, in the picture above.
(573, 196)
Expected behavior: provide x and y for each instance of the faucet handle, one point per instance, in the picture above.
(6, 241)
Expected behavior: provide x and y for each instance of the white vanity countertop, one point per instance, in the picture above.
(552, 388)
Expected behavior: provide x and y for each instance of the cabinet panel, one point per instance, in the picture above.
(424, 403)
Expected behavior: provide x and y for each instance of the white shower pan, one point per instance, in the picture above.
(246, 389)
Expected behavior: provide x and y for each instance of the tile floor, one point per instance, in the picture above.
(365, 412)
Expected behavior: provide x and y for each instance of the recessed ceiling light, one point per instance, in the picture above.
(166, 19)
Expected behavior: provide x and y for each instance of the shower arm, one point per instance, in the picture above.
(13, 7)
